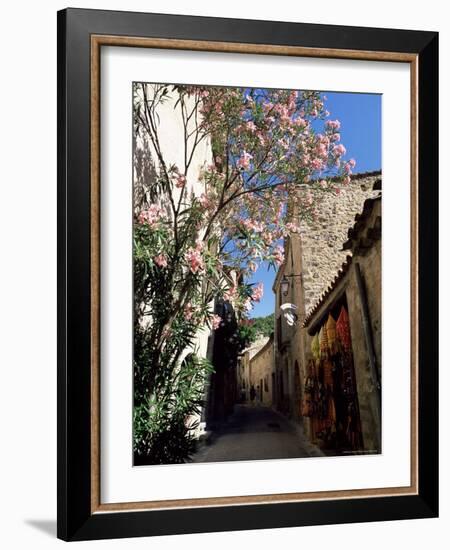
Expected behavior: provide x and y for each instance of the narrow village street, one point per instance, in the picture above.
(256, 432)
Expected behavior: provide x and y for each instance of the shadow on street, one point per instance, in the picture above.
(256, 432)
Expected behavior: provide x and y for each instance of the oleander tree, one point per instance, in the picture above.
(198, 244)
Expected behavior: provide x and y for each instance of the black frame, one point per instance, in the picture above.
(75, 521)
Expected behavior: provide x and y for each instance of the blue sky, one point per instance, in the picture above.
(360, 117)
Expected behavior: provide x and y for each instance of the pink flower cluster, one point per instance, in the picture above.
(189, 311)
(339, 150)
(205, 201)
(292, 227)
(194, 258)
(332, 124)
(258, 292)
(292, 101)
(278, 255)
(300, 122)
(349, 165)
(160, 260)
(215, 322)
(151, 216)
(230, 294)
(180, 181)
(283, 112)
(253, 225)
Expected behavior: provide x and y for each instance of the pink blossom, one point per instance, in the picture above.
(262, 138)
(321, 150)
(205, 201)
(180, 181)
(347, 168)
(284, 143)
(248, 304)
(339, 150)
(253, 225)
(150, 216)
(215, 322)
(335, 137)
(292, 227)
(199, 245)
(300, 122)
(323, 183)
(347, 180)
(352, 163)
(250, 125)
(230, 294)
(292, 101)
(258, 292)
(305, 159)
(278, 255)
(194, 258)
(189, 311)
(317, 164)
(283, 111)
(160, 260)
(332, 124)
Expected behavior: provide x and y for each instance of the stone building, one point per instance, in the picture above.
(321, 240)
(287, 339)
(354, 293)
(312, 260)
(262, 372)
(244, 374)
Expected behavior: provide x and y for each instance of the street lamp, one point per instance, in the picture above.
(284, 285)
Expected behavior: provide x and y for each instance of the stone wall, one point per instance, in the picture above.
(262, 366)
(322, 240)
(368, 260)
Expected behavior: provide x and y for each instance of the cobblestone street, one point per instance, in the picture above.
(255, 432)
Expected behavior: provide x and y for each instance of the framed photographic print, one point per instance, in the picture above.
(247, 252)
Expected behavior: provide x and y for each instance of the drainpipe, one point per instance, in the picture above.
(367, 327)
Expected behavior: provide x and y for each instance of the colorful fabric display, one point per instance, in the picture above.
(331, 333)
(323, 339)
(315, 346)
(343, 329)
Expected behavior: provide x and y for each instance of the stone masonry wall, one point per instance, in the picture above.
(322, 240)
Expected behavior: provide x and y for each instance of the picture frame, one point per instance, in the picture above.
(81, 35)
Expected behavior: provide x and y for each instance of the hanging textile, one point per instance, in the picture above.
(343, 329)
(315, 346)
(331, 334)
(323, 340)
(308, 397)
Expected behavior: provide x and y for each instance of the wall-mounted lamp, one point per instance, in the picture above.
(284, 285)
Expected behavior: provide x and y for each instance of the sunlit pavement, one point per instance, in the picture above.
(256, 432)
